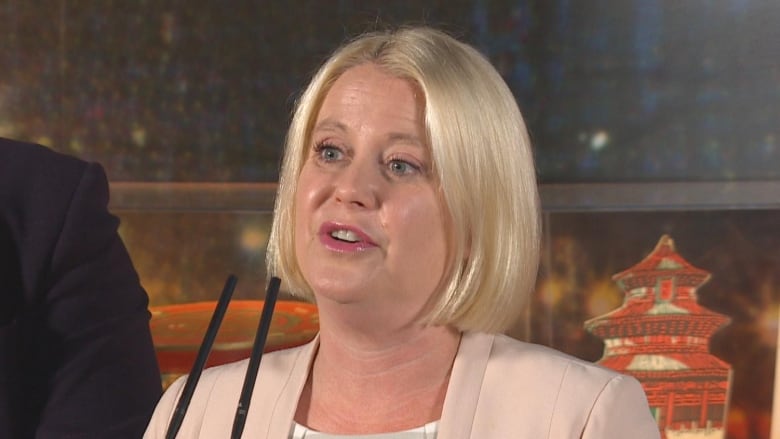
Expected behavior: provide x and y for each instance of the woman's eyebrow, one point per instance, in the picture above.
(408, 138)
(329, 125)
(395, 137)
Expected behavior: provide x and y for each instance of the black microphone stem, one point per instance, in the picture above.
(254, 361)
(200, 360)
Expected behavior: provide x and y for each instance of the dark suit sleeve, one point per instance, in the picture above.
(92, 372)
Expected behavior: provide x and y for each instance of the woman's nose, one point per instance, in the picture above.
(358, 185)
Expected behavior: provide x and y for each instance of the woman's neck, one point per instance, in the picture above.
(381, 384)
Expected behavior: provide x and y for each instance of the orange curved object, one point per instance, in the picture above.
(178, 331)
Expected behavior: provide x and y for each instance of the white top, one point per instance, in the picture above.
(427, 431)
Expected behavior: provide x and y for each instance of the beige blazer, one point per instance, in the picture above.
(499, 388)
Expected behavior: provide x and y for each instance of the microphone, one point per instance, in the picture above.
(200, 360)
(208, 340)
(254, 360)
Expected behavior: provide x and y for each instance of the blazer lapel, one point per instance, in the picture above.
(275, 397)
(468, 371)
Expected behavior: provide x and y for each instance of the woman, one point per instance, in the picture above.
(408, 210)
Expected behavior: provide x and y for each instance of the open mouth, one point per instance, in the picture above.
(345, 236)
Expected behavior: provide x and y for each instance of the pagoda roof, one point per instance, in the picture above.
(636, 325)
(633, 309)
(664, 362)
(663, 261)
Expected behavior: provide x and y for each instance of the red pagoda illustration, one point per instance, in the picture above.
(660, 335)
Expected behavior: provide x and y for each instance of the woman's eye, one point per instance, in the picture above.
(401, 167)
(328, 153)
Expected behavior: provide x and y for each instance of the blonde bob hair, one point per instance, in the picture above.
(481, 157)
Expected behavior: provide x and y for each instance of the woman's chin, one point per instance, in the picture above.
(338, 290)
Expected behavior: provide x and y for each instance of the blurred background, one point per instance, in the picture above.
(648, 117)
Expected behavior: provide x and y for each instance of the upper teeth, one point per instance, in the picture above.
(345, 235)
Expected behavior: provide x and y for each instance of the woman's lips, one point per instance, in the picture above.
(343, 238)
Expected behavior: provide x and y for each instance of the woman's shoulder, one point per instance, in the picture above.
(556, 392)
(513, 353)
(213, 403)
(533, 366)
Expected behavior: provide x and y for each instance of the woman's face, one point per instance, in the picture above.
(370, 226)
